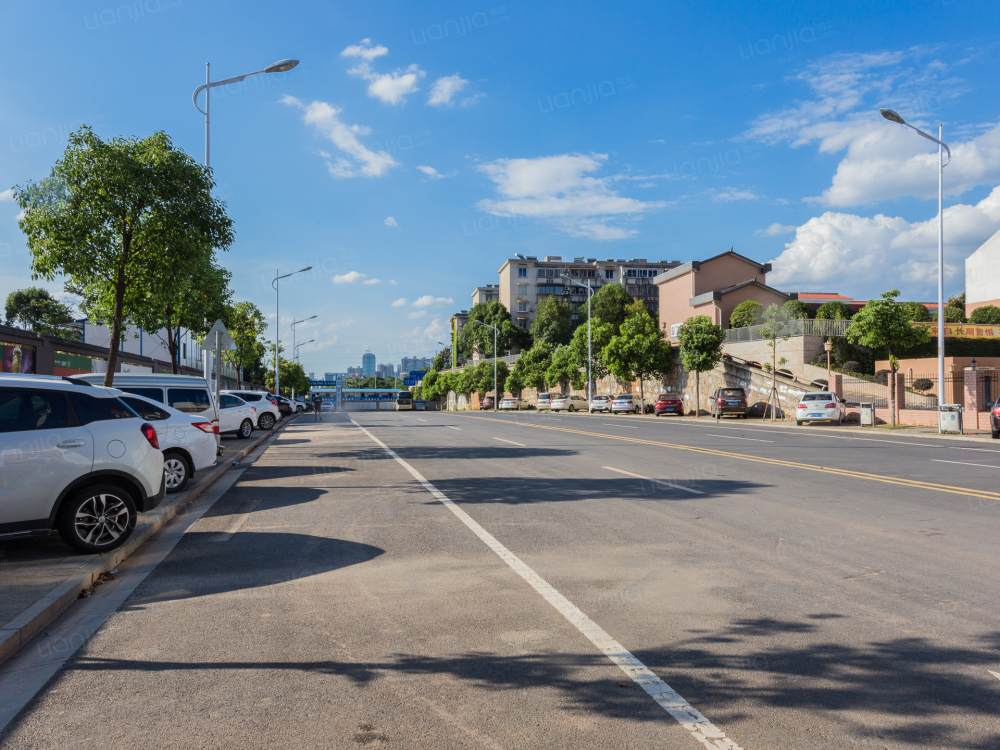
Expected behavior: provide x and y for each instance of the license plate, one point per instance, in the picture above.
(669, 408)
(734, 403)
(817, 415)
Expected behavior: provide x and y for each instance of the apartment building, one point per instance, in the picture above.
(486, 293)
(525, 281)
(457, 323)
(410, 364)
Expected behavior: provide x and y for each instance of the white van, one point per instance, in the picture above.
(187, 393)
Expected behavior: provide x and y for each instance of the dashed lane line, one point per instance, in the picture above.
(964, 463)
(511, 442)
(452, 428)
(657, 481)
(669, 699)
(733, 437)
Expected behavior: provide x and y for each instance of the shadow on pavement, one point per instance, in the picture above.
(435, 452)
(519, 490)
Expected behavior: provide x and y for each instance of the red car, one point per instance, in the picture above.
(668, 403)
(486, 403)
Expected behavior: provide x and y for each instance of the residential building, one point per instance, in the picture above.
(410, 364)
(712, 287)
(526, 281)
(354, 373)
(457, 323)
(368, 364)
(982, 275)
(487, 293)
(312, 376)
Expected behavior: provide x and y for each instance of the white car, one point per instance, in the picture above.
(625, 403)
(268, 413)
(569, 403)
(819, 407)
(510, 404)
(77, 459)
(236, 416)
(187, 443)
(600, 403)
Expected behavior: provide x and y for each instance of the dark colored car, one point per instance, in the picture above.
(486, 403)
(283, 404)
(668, 403)
(995, 421)
(729, 401)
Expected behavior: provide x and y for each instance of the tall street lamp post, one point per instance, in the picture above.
(495, 332)
(279, 67)
(295, 349)
(277, 324)
(893, 116)
(590, 354)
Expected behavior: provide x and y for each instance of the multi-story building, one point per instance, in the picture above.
(354, 372)
(457, 322)
(410, 364)
(486, 293)
(368, 364)
(385, 371)
(526, 281)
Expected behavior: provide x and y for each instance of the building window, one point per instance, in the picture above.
(522, 307)
(541, 271)
(522, 272)
(609, 273)
(522, 323)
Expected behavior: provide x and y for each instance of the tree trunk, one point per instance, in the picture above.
(173, 346)
(116, 328)
(697, 393)
(892, 396)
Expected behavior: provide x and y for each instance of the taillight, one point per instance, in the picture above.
(831, 406)
(720, 402)
(150, 434)
(802, 406)
(215, 426)
(253, 409)
(204, 427)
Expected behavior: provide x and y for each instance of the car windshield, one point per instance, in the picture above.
(818, 397)
(731, 393)
(669, 397)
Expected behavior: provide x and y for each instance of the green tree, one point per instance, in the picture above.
(773, 328)
(954, 314)
(640, 351)
(886, 326)
(747, 313)
(479, 338)
(293, 378)
(39, 312)
(609, 305)
(958, 302)
(987, 315)
(515, 382)
(442, 360)
(551, 324)
(468, 381)
(530, 368)
(796, 309)
(246, 324)
(601, 334)
(564, 368)
(701, 349)
(834, 310)
(112, 215)
(484, 378)
(917, 311)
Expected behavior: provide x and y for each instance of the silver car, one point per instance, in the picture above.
(511, 404)
(625, 404)
(600, 403)
(819, 407)
(569, 403)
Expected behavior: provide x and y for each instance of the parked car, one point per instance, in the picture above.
(819, 407)
(267, 413)
(326, 406)
(77, 459)
(486, 403)
(187, 443)
(236, 416)
(625, 403)
(285, 405)
(600, 403)
(668, 403)
(510, 404)
(543, 402)
(569, 403)
(995, 421)
(729, 401)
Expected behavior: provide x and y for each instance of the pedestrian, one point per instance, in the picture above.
(317, 408)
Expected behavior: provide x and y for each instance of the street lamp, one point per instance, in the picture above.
(894, 116)
(295, 323)
(296, 348)
(590, 356)
(277, 323)
(828, 346)
(279, 67)
(495, 332)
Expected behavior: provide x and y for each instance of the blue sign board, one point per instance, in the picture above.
(409, 381)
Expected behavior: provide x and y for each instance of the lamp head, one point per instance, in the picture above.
(281, 66)
(307, 268)
(893, 115)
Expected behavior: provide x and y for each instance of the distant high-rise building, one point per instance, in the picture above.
(415, 363)
(329, 376)
(312, 376)
(354, 372)
(368, 364)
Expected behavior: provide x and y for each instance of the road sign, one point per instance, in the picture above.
(409, 381)
(225, 340)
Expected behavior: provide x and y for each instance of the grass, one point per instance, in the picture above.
(892, 426)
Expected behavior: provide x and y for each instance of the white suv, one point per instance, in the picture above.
(74, 458)
(268, 414)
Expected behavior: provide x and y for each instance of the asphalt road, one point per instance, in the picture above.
(566, 581)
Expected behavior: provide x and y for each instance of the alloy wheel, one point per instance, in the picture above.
(101, 519)
(175, 471)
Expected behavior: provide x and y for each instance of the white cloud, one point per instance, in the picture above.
(864, 252)
(431, 173)
(361, 161)
(365, 50)
(392, 282)
(444, 89)
(728, 195)
(417, 314)
(390, 88)
(349, 278)
(429, 300)
(560, 189)
(7, 195)
(400, 302)
(390, 222)
(371, 281)
(776, 229)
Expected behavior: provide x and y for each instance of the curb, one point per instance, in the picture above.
(39, 615)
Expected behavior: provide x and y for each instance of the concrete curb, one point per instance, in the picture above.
(39, 615)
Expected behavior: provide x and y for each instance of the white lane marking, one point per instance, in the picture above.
(683, 712)
(964, 463)
(510, 441)
(421, 420)
(629, 426)
(658, 481)
(995, 674)
(733, 437)
(452, 428)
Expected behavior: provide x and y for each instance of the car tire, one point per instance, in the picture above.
(837, 421)
(246, 429)
(266, 421)
(995, 434)
(176, 471)
(94, 536)
(798, 422)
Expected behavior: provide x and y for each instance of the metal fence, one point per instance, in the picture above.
(803, 327)
(857, 391)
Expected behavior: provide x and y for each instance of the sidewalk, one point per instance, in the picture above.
(40, 576)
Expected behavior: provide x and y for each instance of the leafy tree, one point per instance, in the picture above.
(565, 368)
(701, 349)
(551, 324)
(609, 305)
(886, 326)
(773, 328)
(747, 313)
(640, 351)
(987, 315)
(954, 314)
(293, 377)
(468, 381)
(514, 384)
(113, 215)
(600, 335)
(484, 377)
(917, 311)
(796, 309)
(38, 311)
(834, 310)
(477, 338)
(531, 367)
(442, 360)
(246, 324)
(958, 302)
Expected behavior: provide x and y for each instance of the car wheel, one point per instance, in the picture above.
(176, 471)
(798, 422)
(266, 421)
(97, 519)
(995, 434)
(246, 429)
(837, 422)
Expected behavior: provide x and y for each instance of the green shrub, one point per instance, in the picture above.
(851, 366)
(796, 309)
(834, 310)
(882, 377)
(987, 315)
(923, 384)
(954, 314)
(748, 313)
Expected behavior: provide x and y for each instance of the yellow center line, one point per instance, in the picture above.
(772, 461)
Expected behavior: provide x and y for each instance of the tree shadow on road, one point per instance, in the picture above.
(437, 453)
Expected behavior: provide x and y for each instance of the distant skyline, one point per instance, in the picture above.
(416, 147)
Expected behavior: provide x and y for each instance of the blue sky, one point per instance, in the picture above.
(418, 145)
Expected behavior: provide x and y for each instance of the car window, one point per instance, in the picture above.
(226, 402)
(189, 400)
(33, 410)
(731, 393)
(818, 397)
(146, 410)
(154, 393)
(90, 409)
